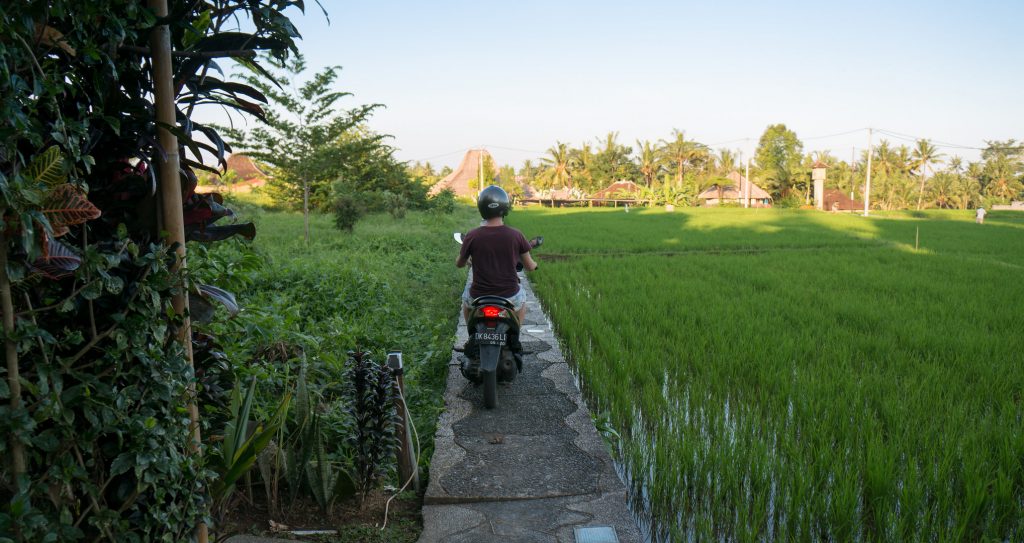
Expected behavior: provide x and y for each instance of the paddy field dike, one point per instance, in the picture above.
(791, 375)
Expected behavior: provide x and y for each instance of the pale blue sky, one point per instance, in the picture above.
(517, 76)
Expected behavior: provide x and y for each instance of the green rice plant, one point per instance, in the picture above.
(798, 376)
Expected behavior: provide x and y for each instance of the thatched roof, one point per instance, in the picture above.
(842, 201)
(464, 180)
(244, 167)
(617, 190)
(733, 192)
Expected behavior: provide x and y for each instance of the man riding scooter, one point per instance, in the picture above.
(494, 250)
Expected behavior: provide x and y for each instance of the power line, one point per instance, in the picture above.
(515, 149)
(854, 131)
(438, 156)
(946, 144)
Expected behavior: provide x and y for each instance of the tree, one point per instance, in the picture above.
(507, 180)
(649, 162)
(681, 153)
(725, 162)
(779, 153)
(612, 162)
(558, 170)
(304, 138)
(581, 162)
(968, 187)
(924, 154)
(528, 172)
(1003, 164)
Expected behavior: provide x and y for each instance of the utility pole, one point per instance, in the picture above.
(741, 190)
(746, 185)
(867, 182)
(853, 167)
(480, 168)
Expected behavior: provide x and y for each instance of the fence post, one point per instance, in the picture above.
(406, 456)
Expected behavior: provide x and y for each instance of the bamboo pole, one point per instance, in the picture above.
(170, 200)
(13, 378)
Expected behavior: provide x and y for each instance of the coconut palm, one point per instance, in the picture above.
(581, 162)
(956, 165)
(942, 190)
(968, 186)
(681, 153)
(650, 165)
(559, 167)
(726, 161)
(527, 172)
(924, 154)
(904, 161)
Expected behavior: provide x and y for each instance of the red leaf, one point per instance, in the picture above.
(67, 206)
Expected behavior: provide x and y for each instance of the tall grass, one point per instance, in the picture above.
(391, 284)
(796, 376)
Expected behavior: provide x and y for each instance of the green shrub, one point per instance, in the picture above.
(791, 201)
(442, 202)
(395, 204)
(348, 209)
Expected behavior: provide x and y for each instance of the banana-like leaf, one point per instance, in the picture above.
(219, 233)
(67, 206)
(48, 168)
(201, 303)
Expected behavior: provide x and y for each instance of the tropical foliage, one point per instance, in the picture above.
(676, 169)
(95, 420)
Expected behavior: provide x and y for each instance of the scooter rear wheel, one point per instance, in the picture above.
(490, 379)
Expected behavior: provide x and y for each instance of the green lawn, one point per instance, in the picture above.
(793, 375)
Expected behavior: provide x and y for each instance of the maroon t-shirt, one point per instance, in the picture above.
(495, 251)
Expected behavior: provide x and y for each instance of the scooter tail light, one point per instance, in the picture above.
(491, 312)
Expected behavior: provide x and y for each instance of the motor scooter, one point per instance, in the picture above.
(493, 352)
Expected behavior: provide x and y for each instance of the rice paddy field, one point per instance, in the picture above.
(787, 375)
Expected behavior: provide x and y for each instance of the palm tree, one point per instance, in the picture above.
(956, 165)
(885, 159)
(681, 153)
(581, 163)
(650, 165)
(924, 154)
(527, 172)
(725, 161)
(559, 168)
(968, 186)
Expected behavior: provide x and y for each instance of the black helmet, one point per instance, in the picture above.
(493, 202)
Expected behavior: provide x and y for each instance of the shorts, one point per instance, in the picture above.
(518, 299)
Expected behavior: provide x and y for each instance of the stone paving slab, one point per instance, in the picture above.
(529, 470)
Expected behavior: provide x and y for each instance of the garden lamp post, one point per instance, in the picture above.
(818, 176)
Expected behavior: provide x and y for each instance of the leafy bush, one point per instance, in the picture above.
(396, 204)
(348, 209)
(791, 201)
(443, 202)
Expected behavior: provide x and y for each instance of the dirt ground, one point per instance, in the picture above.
(354, 522)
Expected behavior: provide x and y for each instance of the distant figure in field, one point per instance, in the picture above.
(979, 215)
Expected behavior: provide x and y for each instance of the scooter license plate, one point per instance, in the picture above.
(490, 338)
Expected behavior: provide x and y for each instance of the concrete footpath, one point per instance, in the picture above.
(532, 470)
